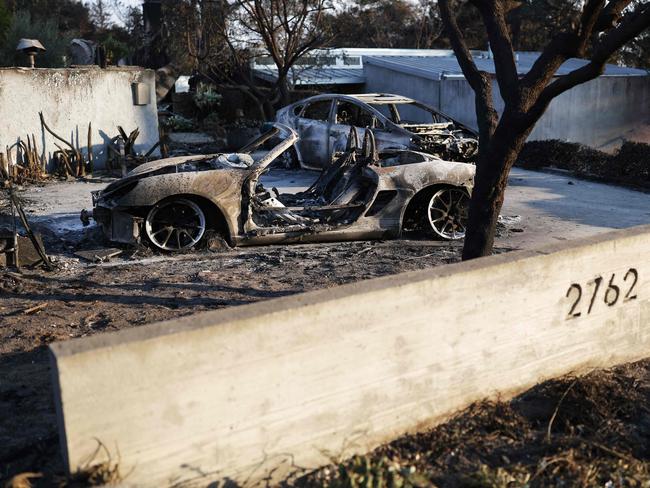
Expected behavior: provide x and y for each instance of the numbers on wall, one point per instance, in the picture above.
(617, 291)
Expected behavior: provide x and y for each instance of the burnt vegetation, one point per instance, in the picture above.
(218, 40)
(629, 165)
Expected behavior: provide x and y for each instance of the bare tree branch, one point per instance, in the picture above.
(590, 15)
(459, 46)
(493, 14)
(288, 30)
(573, 44)
(602, 28)
(611, 14)
(480, 81)
(630, 26)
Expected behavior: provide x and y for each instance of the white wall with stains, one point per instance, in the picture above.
(71, 98)
(599, 113)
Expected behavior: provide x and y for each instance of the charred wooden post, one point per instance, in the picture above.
(121, 145)
(4, 165)
(90, 148)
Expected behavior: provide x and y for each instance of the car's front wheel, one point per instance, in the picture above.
(447, 213)
(175, 225)
(288, 159)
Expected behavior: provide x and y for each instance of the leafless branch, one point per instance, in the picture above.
(480, 81)
(459, 46)
(493, 14)
(632, 24)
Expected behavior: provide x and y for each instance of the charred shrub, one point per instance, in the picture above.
(633, 160)
(563, 155)
(630, 165)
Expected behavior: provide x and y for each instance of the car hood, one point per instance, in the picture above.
(164, 163)
(208, 162)
(171, 167)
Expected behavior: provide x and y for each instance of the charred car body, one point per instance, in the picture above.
(174, 203)
(323, 123)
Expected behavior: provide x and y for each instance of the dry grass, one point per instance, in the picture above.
(599, 428)
(94, 472)
(23, 480)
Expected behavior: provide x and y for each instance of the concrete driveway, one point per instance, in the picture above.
(554, 207)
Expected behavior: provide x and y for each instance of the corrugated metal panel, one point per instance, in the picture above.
(318, 76)
(438, 67)
(434, 67)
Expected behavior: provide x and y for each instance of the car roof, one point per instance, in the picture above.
(375, 99)
(381, 98)
(370, 98)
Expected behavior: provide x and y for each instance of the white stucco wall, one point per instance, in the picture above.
(70, 99)
(598, 113)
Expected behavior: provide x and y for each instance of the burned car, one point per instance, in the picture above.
(323, 123)
(174, 204)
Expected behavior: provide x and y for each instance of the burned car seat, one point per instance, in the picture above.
(341, 182)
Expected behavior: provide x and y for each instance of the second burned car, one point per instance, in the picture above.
(397, 122)
(174, 204)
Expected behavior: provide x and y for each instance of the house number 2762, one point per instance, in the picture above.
(614, 291)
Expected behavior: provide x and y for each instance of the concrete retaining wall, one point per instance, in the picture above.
(597, 113)
(69, 100)
(257, 392)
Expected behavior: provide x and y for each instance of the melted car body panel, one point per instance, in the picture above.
(440, 136)
(361, 195)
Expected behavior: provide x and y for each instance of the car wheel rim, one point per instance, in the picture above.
(176, 225)
(447, 213)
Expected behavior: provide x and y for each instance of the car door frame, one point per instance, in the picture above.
(337, 136)
(389, 135)
(317, 160)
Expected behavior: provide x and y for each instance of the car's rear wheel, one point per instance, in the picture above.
(175, 225)
(447, 213)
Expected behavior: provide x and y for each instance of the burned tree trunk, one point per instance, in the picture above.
(492, 169)
(602, 29)
(284, 91)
